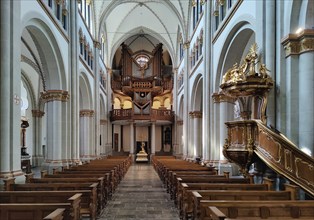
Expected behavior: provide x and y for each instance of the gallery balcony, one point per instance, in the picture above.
(154, 115)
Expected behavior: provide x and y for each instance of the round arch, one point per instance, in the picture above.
(86, 100)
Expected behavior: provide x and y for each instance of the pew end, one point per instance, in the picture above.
(55, 215)
(215, 213)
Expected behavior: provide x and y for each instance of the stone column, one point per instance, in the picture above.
(55, 100)
(206, 133)
(299, 49)
(74, 81)
(97, 47)
(132, 140)
(103, 133)
(153, 135)
(10, 86)
(38, 156)
(270, 55)
(87, 149)
(197, 119)
(186, 101)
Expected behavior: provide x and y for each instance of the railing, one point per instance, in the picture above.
(168, 85)
(277, 151)
(128, 114)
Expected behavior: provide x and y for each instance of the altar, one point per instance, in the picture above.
(142, 156)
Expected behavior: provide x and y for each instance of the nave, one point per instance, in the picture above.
(140, 195)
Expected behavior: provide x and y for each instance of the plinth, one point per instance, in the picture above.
(141, 156)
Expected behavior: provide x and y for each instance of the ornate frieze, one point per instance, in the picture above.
(37, 113)
(87, 113)
(55, 95)
(295, 44)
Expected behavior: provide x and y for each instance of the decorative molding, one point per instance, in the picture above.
(296, 44)
(37, 113)
(87, 113)
(221, 97)
(196, 114)
(55, 95)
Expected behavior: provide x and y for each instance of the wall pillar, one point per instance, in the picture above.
(95, 60)
(153, 141)
(87, 147)
(37, 157)
(10, 86)
(55, 100)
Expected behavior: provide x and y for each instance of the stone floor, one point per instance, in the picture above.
(140, 195)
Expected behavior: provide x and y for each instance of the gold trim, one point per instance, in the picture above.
(37, 113)
(87, 113)
(295, 44)
(55, 95)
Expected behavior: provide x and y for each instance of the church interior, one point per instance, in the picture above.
(157, 109)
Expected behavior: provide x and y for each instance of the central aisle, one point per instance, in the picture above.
(140, 195)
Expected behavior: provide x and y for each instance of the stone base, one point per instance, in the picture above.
(141, 157)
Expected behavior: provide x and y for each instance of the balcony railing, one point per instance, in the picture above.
(155, 115)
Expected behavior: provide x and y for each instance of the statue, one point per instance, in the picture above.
(143, 148)
(263, 71)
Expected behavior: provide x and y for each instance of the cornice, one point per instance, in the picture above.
(55, 95)
(296, 44)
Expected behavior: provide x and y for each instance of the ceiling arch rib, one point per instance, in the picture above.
(162, 17)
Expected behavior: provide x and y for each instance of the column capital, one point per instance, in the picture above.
(37, 113)
(196, 114)
(186, 45)
(221, 97)
(87, 113)
(55, 95)
(103, 121)
(295, 44)
(179, 122)
(97, 44)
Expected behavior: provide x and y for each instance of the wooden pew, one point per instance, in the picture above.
(199, 179)
(225, 195)
(255, 210)
(55, 215)
(11, 186)
(185, 197)
(100, 187)
(34, 211)
(88, 205)
(107, 186)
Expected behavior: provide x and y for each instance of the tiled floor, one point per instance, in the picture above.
(140, 195)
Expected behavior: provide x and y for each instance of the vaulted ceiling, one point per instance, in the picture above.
(120, 19)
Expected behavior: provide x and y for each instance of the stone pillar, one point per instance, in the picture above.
(55, 100)
(97, 48)
(74, 81)
(132, 140)
(299, 49)
(153, 142)
(186, 100)
(206, 133)
(37, 156)
(270, 54)
(87, 148)
(103, 133)
(10, 86)
(197, 123)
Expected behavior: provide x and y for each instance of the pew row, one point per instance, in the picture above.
(255, 210)
(36, 211)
